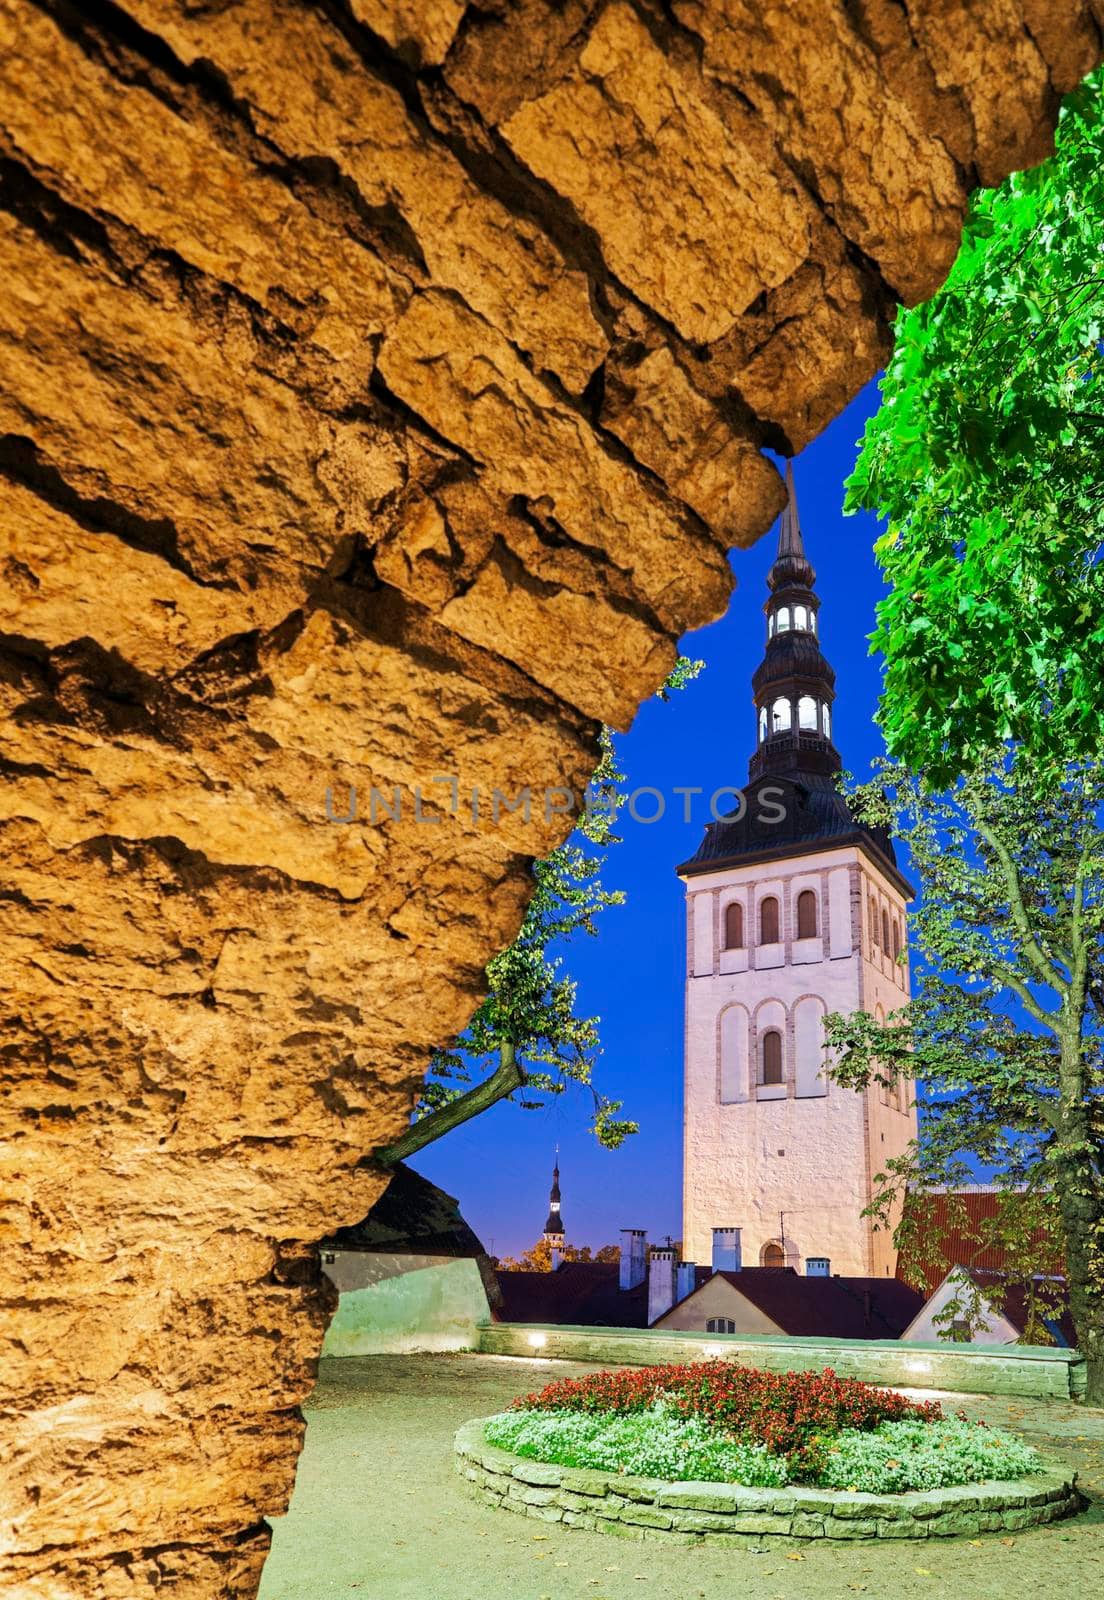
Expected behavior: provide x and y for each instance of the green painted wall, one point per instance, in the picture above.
(439, 1307)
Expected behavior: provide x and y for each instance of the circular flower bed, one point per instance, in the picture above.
(792, 1451)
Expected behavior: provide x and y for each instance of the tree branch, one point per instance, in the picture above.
(506, 1077)
(1034, 952)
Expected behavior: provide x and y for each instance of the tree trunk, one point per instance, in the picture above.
(1080, 1183)
(507, 1077)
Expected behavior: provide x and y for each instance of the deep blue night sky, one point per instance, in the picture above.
(631, 975)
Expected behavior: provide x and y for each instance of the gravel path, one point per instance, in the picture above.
(378, 1515)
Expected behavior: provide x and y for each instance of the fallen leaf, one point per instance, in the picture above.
(795, 1558)
(1008, 1542)
(925, 1572)
(978, 1542)
(540, 1538)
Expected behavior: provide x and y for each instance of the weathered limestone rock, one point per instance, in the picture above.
(382, 387)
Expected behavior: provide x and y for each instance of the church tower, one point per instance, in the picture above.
(793, 910)
(554, 1228)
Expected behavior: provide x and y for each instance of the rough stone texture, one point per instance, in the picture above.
(381, 389)
(728, 1514)
(1040, 1372)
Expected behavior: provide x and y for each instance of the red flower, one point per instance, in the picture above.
(794, 1414)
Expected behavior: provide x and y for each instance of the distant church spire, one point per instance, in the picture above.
(794, 686)
(553, 1228)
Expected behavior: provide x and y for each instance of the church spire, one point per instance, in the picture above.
(553, 1228)
(794, 686)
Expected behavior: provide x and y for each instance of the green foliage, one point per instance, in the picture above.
(659, 1443)
(647, 1444)
(899, 1456)
(538, 1258)
(985, 458)
(1005, 1029)
(530, 1006)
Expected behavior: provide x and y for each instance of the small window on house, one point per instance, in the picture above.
(885, 931)
(720, 1325)
(768, 920)
(806, 914)
(781, 716)
(772, 1056)
(784, 620)
(960, 1330)
(801, 618)
(773, 1256)
(762, 723)
(734, 926)
(807, 713)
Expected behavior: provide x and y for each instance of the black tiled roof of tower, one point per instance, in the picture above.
(814, 815)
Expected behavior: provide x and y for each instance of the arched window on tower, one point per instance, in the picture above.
(734, 926)
(873, 922)
(781, 716)
(773, 1255)
(784, 620)
(762, 723)
(827, 723)
(770, 626)
(771, 1048)
(885, 931)
(807, 914)
(768, 920)
(801, 618)
(896, 938)
(807, 713)
(812, 620)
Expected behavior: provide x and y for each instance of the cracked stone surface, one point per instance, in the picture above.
(382, 390)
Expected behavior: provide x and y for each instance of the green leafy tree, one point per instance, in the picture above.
(526, 1041)
(539, 1257)
(985, 458)
(1005, 1031)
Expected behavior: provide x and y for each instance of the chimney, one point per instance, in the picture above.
(661, 1283)
(686, 1276)
(634, 1250)
(726, 1250)
(818, 1267)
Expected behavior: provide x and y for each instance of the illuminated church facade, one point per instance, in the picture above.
(793, 910)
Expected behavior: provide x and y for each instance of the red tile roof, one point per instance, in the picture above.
(578, 1293)
(955, 1246)
(828, 1308)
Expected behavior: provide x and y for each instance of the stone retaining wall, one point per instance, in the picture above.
(727, 1514)
(1044, 1373)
